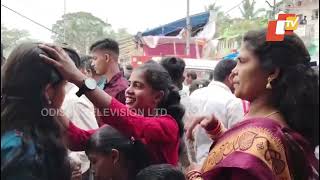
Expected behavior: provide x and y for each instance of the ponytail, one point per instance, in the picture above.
(172, 104)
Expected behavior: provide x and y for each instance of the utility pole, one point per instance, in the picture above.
(64, 21)
(188, 30)
(274, 9)
(273, 14)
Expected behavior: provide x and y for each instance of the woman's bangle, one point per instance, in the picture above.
(215, 130)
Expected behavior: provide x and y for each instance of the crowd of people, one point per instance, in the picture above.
(82, 117)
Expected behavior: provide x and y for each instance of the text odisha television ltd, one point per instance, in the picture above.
(285, 24)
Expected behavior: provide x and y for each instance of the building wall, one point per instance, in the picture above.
(225, 47)
(308, 8)
(168, 49)
(308, 32)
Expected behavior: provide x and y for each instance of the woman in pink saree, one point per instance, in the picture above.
(277, 137)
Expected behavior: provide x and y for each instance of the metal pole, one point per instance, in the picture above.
(274, 9)
(273, 12)
(188, 30)
(64, 21)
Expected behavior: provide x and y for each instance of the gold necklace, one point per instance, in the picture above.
(272, 113)
(268, 115)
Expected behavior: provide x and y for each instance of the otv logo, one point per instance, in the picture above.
(285, 24)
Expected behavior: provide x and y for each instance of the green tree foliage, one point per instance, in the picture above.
(230, 30)
(241, 26)
(83, 29)
(10, 38)
(214, 7)
(248, 10)
(122, 33)
(222, 20)
(276, 8)
(227, 27)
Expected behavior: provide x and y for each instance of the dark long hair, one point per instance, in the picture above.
(295, 92)
(24, 77)
(159, 79)
(108, 138)
(175, 67)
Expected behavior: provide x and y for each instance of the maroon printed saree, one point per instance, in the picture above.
(260, 149)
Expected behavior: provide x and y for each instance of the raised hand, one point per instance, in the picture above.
(62, 62)
(206, 122)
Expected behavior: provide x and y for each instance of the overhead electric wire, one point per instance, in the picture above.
(41, 25)
(30, 19)
(234, 7)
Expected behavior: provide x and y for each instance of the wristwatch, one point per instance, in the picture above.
(89, 84)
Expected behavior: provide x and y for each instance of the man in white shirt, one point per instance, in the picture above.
(80, 111)
(217, 98)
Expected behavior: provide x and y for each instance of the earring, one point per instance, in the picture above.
(268, 86)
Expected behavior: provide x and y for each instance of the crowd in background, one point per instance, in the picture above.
(70, 117)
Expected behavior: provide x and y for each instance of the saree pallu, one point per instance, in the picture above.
(258, 149)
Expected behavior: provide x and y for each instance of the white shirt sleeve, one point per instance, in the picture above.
(81, 114)
(79, 110)
(235, 112)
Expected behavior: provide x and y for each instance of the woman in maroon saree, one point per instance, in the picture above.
(277, 137)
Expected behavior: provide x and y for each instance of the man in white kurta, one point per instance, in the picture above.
(218, 99)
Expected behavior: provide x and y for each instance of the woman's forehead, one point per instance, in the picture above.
(245, 52)
(137, 75)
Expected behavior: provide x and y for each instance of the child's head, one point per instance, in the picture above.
(112, 154)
